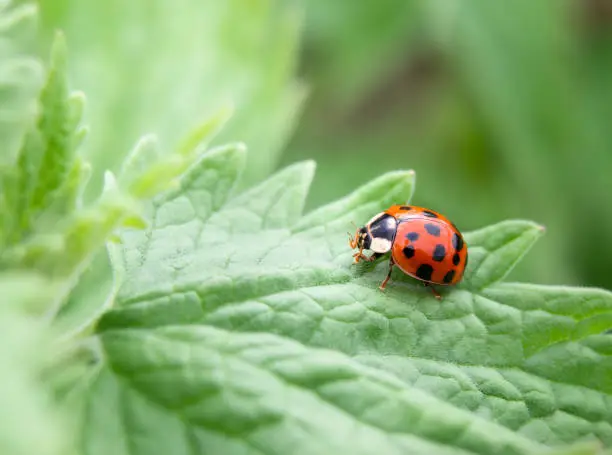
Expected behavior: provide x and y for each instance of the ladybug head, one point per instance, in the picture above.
(361, 240)
(380, 232)
(377, 235)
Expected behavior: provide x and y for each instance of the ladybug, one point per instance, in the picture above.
(423, 244)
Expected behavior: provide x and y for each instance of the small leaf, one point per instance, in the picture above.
(48, 179)
(195, 142)
(56, 127)
(144, 154)
(147, 172)
(68, 250)
(67, 197)
(158, 177)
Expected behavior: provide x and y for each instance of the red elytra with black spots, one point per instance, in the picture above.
(423, 244)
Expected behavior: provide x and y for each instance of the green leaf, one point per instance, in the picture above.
(200, 136)
(144, 174)
(143, 155)
(189, 345)
(67, 250)
(57, 130)
(147, 172)
(48, 179)
(67, 199)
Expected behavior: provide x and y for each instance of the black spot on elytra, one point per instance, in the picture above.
(430, 214)
(408, 251)
(405, 207)
(449, 277)
(439, 253)
(424, 272)
(456, 259)
(412, 236)
(457, 242)
(432, 229)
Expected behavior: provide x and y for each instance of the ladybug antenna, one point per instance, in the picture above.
(354, 225)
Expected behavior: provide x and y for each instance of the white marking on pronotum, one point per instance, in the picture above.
(380, 245)
(374, 218)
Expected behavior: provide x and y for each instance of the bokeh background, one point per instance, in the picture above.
(502, 108)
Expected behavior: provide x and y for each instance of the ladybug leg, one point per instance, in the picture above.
(373, 257)
(384, 283)
(359, 255)
(433, 290)
(353, 240)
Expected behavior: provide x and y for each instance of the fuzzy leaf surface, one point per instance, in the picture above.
(235, 305)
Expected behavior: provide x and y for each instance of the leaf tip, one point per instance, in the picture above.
(59, 49)
(537, 229)
(240, 147)
(205, 131)
(135, 221)
(110, 182)
(76, 101)
(305, 169)
(309, 165)
(114, 239)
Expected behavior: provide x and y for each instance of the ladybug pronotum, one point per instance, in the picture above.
(423, 244)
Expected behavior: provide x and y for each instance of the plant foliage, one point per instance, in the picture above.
(177, 313)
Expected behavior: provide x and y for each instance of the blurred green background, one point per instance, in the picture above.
(503, 109)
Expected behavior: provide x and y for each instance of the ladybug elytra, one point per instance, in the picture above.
(423, 244)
